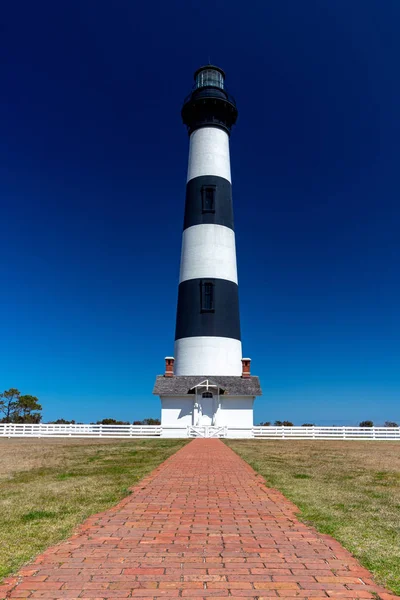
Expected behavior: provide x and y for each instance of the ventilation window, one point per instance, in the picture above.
(207, 296)
(207, 395)
(208, 198)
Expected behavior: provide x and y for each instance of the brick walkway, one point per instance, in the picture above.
(202, 525)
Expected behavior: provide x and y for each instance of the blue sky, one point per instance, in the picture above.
(93, 161)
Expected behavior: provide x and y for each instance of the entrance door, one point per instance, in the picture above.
(207, 405)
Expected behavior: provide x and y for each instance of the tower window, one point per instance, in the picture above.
(207, 296)
(207, 395)
(208, 198)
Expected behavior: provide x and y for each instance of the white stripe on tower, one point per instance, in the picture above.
(207, 338)
(208, 251)
(213, 354)
(209, 153)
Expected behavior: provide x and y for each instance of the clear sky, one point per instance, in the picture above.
(93, 161)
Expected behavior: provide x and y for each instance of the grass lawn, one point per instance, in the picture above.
(350, 490)
(48, 486)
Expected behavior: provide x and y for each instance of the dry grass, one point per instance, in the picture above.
(49, 486)
(350, 490)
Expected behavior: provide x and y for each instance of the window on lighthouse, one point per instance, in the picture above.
(207, 296)
(208, 197)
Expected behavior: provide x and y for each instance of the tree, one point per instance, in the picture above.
(265, 424)
(112, 422)
(151, 422)
(366, 424)
(8, 402)
(287, 424)
(390, 424)
(148, 422)
(278, 423)
(27, 410)
(62, 422)
(308, 425)
(19, 409)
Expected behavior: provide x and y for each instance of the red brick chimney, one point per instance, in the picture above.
(246, 367)
(169, 366)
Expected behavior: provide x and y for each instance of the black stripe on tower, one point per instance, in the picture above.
(208, 307)
(208, 200)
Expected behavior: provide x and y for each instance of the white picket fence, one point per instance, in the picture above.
(79, 431)
(327, 433)
(11, 430)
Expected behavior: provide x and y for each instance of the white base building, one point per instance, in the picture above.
(200, 402)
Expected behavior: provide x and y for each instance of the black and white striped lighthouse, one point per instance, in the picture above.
(207, 336)
(208, 386)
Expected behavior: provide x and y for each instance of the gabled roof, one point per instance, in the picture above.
(207, 384)
(228, 385)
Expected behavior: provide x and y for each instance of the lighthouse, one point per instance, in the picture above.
(207, 384)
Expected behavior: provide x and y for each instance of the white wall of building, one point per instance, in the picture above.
(177, 411)
(207, 354)
(236, 412)
(208, 250)
(209, 153)
(232, 412)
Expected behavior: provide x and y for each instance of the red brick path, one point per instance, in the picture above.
(202, 525)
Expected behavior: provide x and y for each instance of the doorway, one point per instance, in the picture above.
(207, 409)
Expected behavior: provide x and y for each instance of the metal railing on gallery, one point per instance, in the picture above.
(42, 430)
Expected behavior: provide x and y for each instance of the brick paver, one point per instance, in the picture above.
(202, 525)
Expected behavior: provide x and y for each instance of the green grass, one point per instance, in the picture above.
(350, 490)
(48, 487)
